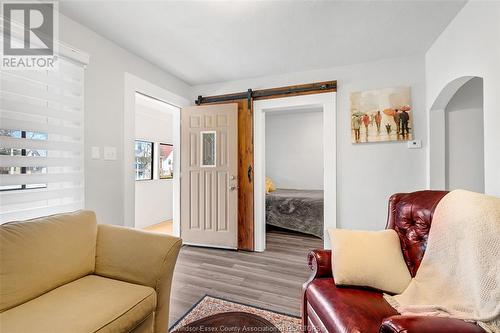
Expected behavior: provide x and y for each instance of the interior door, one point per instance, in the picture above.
(209, 175)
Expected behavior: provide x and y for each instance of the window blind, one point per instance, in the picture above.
(41, 141)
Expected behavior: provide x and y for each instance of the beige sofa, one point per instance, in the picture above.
(65, 273)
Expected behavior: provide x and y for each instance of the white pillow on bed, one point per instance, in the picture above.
(369, 259)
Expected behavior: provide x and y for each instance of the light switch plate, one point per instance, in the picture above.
(109, 153)
(96, 153)
(414, 144)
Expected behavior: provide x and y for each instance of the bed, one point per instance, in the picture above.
(296, 210)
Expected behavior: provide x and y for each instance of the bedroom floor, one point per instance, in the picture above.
(271, 280)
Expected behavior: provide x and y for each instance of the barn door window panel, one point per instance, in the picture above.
(208, 148)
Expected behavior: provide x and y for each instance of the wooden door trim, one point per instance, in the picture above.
(296, 90)
(286, 91)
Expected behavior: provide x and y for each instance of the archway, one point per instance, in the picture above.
(456, 136)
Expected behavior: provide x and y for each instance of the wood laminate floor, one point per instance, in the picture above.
(270, 280)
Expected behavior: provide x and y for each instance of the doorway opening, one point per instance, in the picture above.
(134, 85)
(294, 170)
(302, 163)
(457, 137)
(464, 142)
(155, 156)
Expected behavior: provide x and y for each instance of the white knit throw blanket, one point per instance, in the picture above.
(459, 275)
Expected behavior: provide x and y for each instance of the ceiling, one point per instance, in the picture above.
(213, 41)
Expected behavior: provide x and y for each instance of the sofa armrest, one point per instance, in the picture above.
(320, 263)
(139, 257)
(427, 324)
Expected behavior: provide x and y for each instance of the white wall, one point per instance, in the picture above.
(470, 46)
(294, 149)
(367, 174)
(153, 198)
(104, 105)
(465, 138)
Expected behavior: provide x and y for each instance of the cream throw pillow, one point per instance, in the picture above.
(369, 259)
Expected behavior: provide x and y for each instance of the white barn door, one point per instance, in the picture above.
(209, 179)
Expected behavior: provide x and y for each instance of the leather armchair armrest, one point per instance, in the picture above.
(139, 257)
(427, 324)
(320, 263)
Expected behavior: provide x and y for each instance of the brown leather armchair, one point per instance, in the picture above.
(328, 309)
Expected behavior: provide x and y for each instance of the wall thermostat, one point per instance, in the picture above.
(415, 144)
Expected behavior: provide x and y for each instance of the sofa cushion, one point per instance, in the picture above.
(369, 259)
(42, 254)
(343, 309)
(89, 304)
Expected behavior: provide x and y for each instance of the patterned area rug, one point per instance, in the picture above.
(209, 305)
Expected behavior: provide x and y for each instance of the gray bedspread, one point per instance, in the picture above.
(297, 210)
